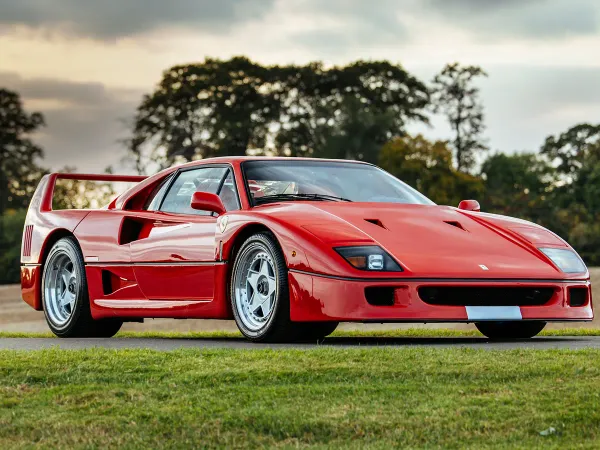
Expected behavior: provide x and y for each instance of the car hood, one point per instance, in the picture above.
(437, 241)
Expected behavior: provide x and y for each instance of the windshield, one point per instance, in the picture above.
(326, 180)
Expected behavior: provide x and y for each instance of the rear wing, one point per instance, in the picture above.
(45, 192)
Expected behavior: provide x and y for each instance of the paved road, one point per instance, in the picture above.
(177, 343)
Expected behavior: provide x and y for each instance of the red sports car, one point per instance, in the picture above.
(290, 247)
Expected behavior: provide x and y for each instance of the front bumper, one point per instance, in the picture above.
(315, 297)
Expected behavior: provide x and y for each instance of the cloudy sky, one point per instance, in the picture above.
(86, 63)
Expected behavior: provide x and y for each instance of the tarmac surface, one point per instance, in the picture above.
(168, 344)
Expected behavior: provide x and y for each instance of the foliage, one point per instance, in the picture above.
(427, 166)
(571, 149)
(217, 108)
(326, 397)
(11, 232)
(357, 111)
(81, 194)
(518, 185)
(19, 173)
(456, 96)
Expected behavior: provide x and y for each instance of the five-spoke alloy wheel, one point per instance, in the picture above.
(256, 287)
(260, 297)
(60, 288)
(65, 294)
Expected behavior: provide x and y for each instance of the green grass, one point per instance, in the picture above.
(324, 397)
(407, 332)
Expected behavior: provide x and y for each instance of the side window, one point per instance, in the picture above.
(228, 195)
(179, 197)
(158, 194)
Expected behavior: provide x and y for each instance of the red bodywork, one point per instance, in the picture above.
(154, 264)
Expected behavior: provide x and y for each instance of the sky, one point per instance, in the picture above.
(85, 64)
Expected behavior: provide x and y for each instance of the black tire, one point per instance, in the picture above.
(278, 327)
(316, 331)
(79, 321)
(510, 330)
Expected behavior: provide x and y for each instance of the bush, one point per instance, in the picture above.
(11, 232)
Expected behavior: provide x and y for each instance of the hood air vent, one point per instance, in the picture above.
(376, 222)
(455, 224)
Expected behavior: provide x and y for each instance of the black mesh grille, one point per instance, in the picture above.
(485, 296)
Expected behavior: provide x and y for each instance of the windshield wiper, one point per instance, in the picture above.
(285, 197)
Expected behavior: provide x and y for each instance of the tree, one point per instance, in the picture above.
(81, 194)
(518, 185)
(19, 172)
(349, 111)
(11, 232)
(218, 108)
(455, 95)
(214, 108)
(575, 155)
(427, 166)
(570, 149)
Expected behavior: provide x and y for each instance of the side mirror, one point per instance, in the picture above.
(205, 201)
(469, 205)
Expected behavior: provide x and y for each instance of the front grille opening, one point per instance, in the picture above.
(380, 295)
(485, 296)
(578, 296)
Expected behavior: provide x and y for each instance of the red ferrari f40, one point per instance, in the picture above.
(288, 248)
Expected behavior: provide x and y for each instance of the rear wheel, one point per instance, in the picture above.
(510, 330)
(65, 295)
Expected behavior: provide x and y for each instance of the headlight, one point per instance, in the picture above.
(567, 260)
(369, 257)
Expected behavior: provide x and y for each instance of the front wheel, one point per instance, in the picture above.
(65, 295)
(259, 291)
(510, 330)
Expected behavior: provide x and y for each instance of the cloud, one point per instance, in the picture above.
(538, 19)
(348, 27)
(113, 19)
(337, 27)
(84, 121)
(333, 25)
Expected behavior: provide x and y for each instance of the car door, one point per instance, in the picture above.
(174, 258)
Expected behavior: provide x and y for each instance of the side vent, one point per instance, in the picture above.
(111, 282)
(455, 224)
(27, 237)
(130, 231)
(376, 222)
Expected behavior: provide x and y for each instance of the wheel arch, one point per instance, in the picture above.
(55, 236)
(242, 235)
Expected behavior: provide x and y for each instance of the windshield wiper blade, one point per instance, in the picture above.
(278, 197)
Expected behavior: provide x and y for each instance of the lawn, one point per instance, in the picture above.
(323, 397)
(398, 333)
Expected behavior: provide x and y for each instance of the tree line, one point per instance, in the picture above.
(356, 111)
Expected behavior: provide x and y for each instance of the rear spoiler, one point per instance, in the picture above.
(48, 183)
